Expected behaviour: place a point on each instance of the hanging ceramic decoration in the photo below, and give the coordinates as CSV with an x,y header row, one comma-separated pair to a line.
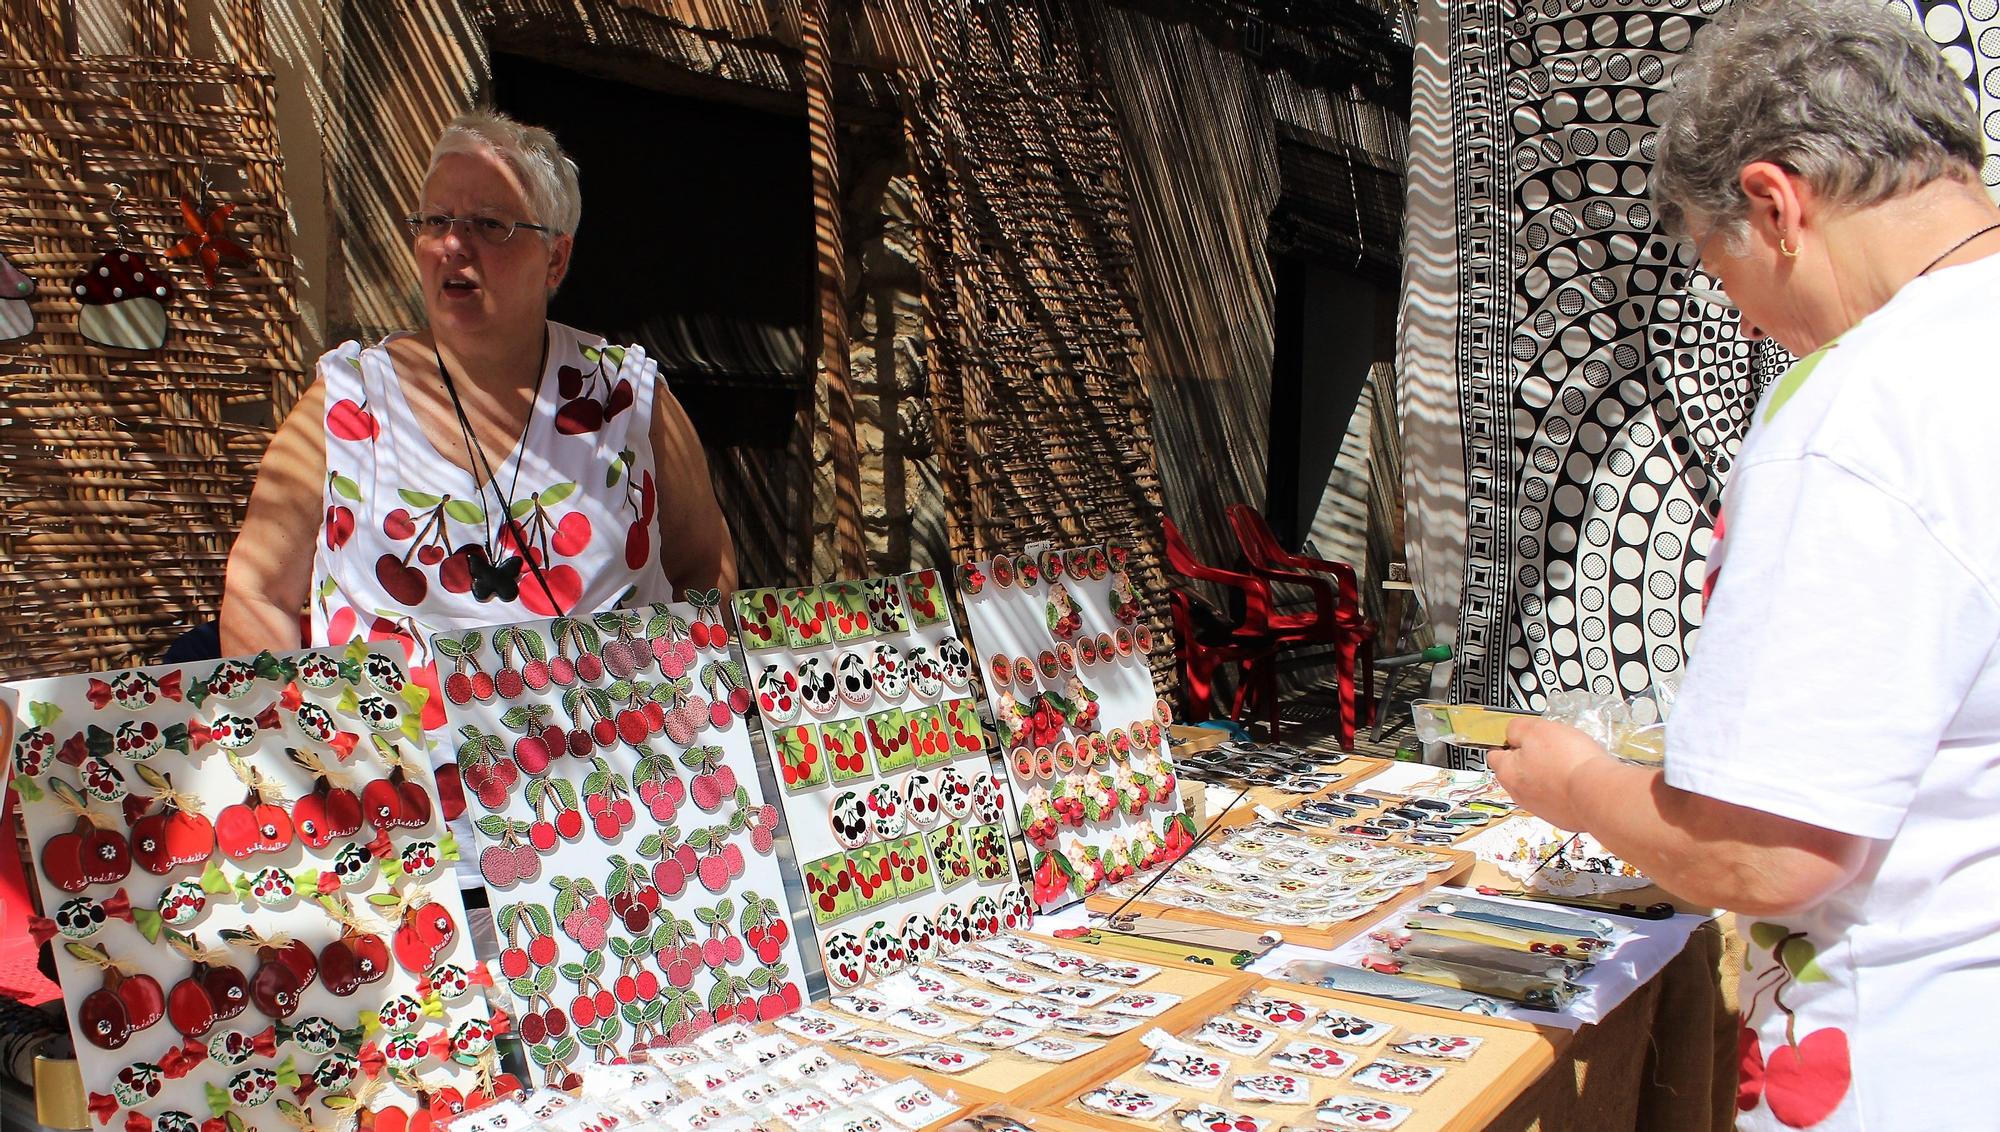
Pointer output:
x,y
249,893
623,834
207,241
17,317
1081,728
879,770
124,300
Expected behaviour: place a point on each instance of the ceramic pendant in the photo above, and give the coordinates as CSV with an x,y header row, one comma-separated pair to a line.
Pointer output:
x,y
1397,1076
1360,1112
1311,1057
1188,1067
1446,1047
1233,1035
1128,1102
1349,1030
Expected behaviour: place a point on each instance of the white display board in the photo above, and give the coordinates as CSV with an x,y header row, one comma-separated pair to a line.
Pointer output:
x,y
249,884
897,816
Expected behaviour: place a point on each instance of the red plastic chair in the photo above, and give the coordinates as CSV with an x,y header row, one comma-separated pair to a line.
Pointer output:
x,y
1336,619
1206,647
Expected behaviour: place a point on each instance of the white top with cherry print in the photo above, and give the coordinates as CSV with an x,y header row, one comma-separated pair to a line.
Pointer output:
x,y
397,510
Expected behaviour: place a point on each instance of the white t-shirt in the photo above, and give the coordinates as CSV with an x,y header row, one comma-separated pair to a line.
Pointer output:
x,y
1846,676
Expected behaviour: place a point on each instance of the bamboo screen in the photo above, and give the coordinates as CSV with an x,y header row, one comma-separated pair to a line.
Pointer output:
x,y
123,473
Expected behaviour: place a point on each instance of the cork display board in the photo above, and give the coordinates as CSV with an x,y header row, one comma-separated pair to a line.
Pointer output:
x,y
1181,991
1485,1064
1256,879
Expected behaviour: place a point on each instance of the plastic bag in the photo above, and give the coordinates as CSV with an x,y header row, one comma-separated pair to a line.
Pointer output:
x,y
1633,728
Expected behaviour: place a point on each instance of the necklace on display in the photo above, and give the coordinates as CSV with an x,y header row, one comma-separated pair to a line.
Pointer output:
x,y
494,578
1946,254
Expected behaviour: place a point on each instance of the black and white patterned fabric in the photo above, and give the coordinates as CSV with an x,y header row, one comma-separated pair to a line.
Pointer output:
x,y
1571,402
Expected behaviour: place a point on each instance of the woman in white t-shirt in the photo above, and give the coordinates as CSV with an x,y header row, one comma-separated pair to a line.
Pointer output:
x,y
1833,763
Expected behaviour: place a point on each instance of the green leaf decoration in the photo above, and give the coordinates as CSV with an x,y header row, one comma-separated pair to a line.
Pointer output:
x,y
520,508
418,499
1801,958
545,980
346,488
465,511
1768,935
616,354
555,493
523,987
614,473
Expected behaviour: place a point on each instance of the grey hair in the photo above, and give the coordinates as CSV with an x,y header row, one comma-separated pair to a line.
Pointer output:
x,y
1848,96
547,173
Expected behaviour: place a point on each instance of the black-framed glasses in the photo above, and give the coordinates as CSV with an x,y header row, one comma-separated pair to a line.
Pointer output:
x,y
434,225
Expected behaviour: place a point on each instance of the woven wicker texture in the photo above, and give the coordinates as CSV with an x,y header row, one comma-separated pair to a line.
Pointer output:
x,y
123,474
1037,358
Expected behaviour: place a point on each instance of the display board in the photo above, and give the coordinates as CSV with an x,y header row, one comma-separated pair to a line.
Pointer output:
x,y
1063,647
1284,1056
623,831
247,879
1318,892
898,819
1017,1015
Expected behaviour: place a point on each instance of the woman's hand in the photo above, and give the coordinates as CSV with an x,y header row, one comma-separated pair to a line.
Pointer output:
x,y
1540,766
271,565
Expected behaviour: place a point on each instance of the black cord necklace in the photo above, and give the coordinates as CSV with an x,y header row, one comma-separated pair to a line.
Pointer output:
x,y
1946,254
494,578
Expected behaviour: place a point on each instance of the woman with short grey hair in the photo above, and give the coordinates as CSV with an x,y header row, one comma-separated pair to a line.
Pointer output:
x,y
491,468
1833,762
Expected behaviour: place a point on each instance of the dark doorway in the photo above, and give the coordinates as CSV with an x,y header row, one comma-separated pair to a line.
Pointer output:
x,y
696,243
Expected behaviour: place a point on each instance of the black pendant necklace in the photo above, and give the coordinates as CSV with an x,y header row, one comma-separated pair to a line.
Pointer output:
x,y
493,578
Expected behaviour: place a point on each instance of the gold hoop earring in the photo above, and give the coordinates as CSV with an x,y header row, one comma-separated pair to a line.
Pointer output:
x,y
1786,249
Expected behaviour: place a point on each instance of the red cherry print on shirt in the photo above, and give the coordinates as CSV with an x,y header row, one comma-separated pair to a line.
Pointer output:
x,y
564,583
350,421
572,535
339,527
404,583
579,416
1804,1083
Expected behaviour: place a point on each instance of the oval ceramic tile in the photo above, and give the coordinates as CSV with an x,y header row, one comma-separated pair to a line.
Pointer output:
x,y
849,819
856,680
954,663
954,792
888,665
817,687
886,820
778,694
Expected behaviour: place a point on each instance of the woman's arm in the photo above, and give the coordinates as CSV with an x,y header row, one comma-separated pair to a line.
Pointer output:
x,y
1701,849
270,568
696,552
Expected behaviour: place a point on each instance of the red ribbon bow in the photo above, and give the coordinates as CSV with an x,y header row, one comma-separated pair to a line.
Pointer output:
x,y
329,882
481,976
267,720
199,735
380,849
138,1122
103,1106
179,1062
74,751
42,929
343,744
99,693
170,685
372,1061
290,698
266,1043
118,906
501,1023
215,1124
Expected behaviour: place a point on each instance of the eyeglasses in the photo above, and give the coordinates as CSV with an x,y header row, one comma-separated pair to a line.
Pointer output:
x,y
434,225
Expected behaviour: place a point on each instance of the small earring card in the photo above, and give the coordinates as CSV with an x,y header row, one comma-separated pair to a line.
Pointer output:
x,y
1083,734
899,821
248,886
623,833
